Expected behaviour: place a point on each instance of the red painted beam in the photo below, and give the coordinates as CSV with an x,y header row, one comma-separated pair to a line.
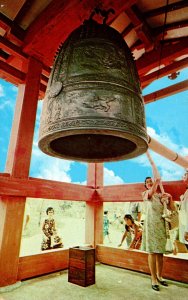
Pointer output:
x,y
12,48
141,27
166,92
11,74
132,192
176,66
167,8
47,189
58,20
170,52
10,25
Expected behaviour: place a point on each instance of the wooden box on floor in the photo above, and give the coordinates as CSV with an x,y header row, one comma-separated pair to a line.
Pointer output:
x,y
81,266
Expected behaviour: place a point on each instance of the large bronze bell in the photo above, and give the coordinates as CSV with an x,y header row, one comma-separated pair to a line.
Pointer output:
x,y
93,109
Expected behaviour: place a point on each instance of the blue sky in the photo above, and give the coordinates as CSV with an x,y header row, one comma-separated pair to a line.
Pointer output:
x,y
166,121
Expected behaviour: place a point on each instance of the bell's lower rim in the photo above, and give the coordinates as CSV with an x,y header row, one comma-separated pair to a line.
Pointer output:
x,y
51,145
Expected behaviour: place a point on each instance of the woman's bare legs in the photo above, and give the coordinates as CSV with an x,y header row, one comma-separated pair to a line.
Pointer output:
x,y
159,265
152,258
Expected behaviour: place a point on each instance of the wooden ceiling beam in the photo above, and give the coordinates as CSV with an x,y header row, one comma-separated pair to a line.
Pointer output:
x,y
137,45
141,27
12,28
169,53
25,7
166,92
176,25
3,55
127,30
16,51
16,77
167,8
12,49
58,20
11,74
176,66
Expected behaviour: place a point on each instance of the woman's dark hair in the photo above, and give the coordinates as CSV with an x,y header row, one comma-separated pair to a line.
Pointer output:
x,y
49,209
129,217
145,181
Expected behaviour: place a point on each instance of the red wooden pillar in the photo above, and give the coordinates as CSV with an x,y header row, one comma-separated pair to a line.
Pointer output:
x,y
18,163
94,208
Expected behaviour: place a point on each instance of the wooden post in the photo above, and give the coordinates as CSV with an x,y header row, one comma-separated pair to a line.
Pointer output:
x,y
18,163
94,208
19,155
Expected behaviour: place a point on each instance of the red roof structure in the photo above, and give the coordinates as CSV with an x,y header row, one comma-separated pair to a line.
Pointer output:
x,y
30,34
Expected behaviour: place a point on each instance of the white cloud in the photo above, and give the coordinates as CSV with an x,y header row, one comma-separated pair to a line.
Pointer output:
x,y
2,94
165,140
14,88
110,178
48,167
5,103
55,170
169,170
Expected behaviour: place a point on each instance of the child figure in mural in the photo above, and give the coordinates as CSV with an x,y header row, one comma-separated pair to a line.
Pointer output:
x,y
51,240
106,224
135,230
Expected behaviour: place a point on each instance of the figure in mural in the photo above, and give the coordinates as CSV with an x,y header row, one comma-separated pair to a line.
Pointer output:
x,y
154,237
106,224
27,219
51,239
134,230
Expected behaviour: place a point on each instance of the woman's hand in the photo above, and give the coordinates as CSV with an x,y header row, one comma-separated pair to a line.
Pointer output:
x,y
166,195
168,198
157,180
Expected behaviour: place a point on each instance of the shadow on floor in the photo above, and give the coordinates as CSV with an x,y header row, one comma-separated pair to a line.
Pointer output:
x,y
111,283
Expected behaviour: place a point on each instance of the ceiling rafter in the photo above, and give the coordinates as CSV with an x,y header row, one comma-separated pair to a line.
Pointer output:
x,y
137,45
12,28
12,48
176,25
58,15
141,27
3,55
163,9
16,51
14,75
170,53
173,40
25,7
176,66
166,92
127,30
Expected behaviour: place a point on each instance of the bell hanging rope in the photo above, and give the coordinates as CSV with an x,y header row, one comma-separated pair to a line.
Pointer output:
x,y
93,110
